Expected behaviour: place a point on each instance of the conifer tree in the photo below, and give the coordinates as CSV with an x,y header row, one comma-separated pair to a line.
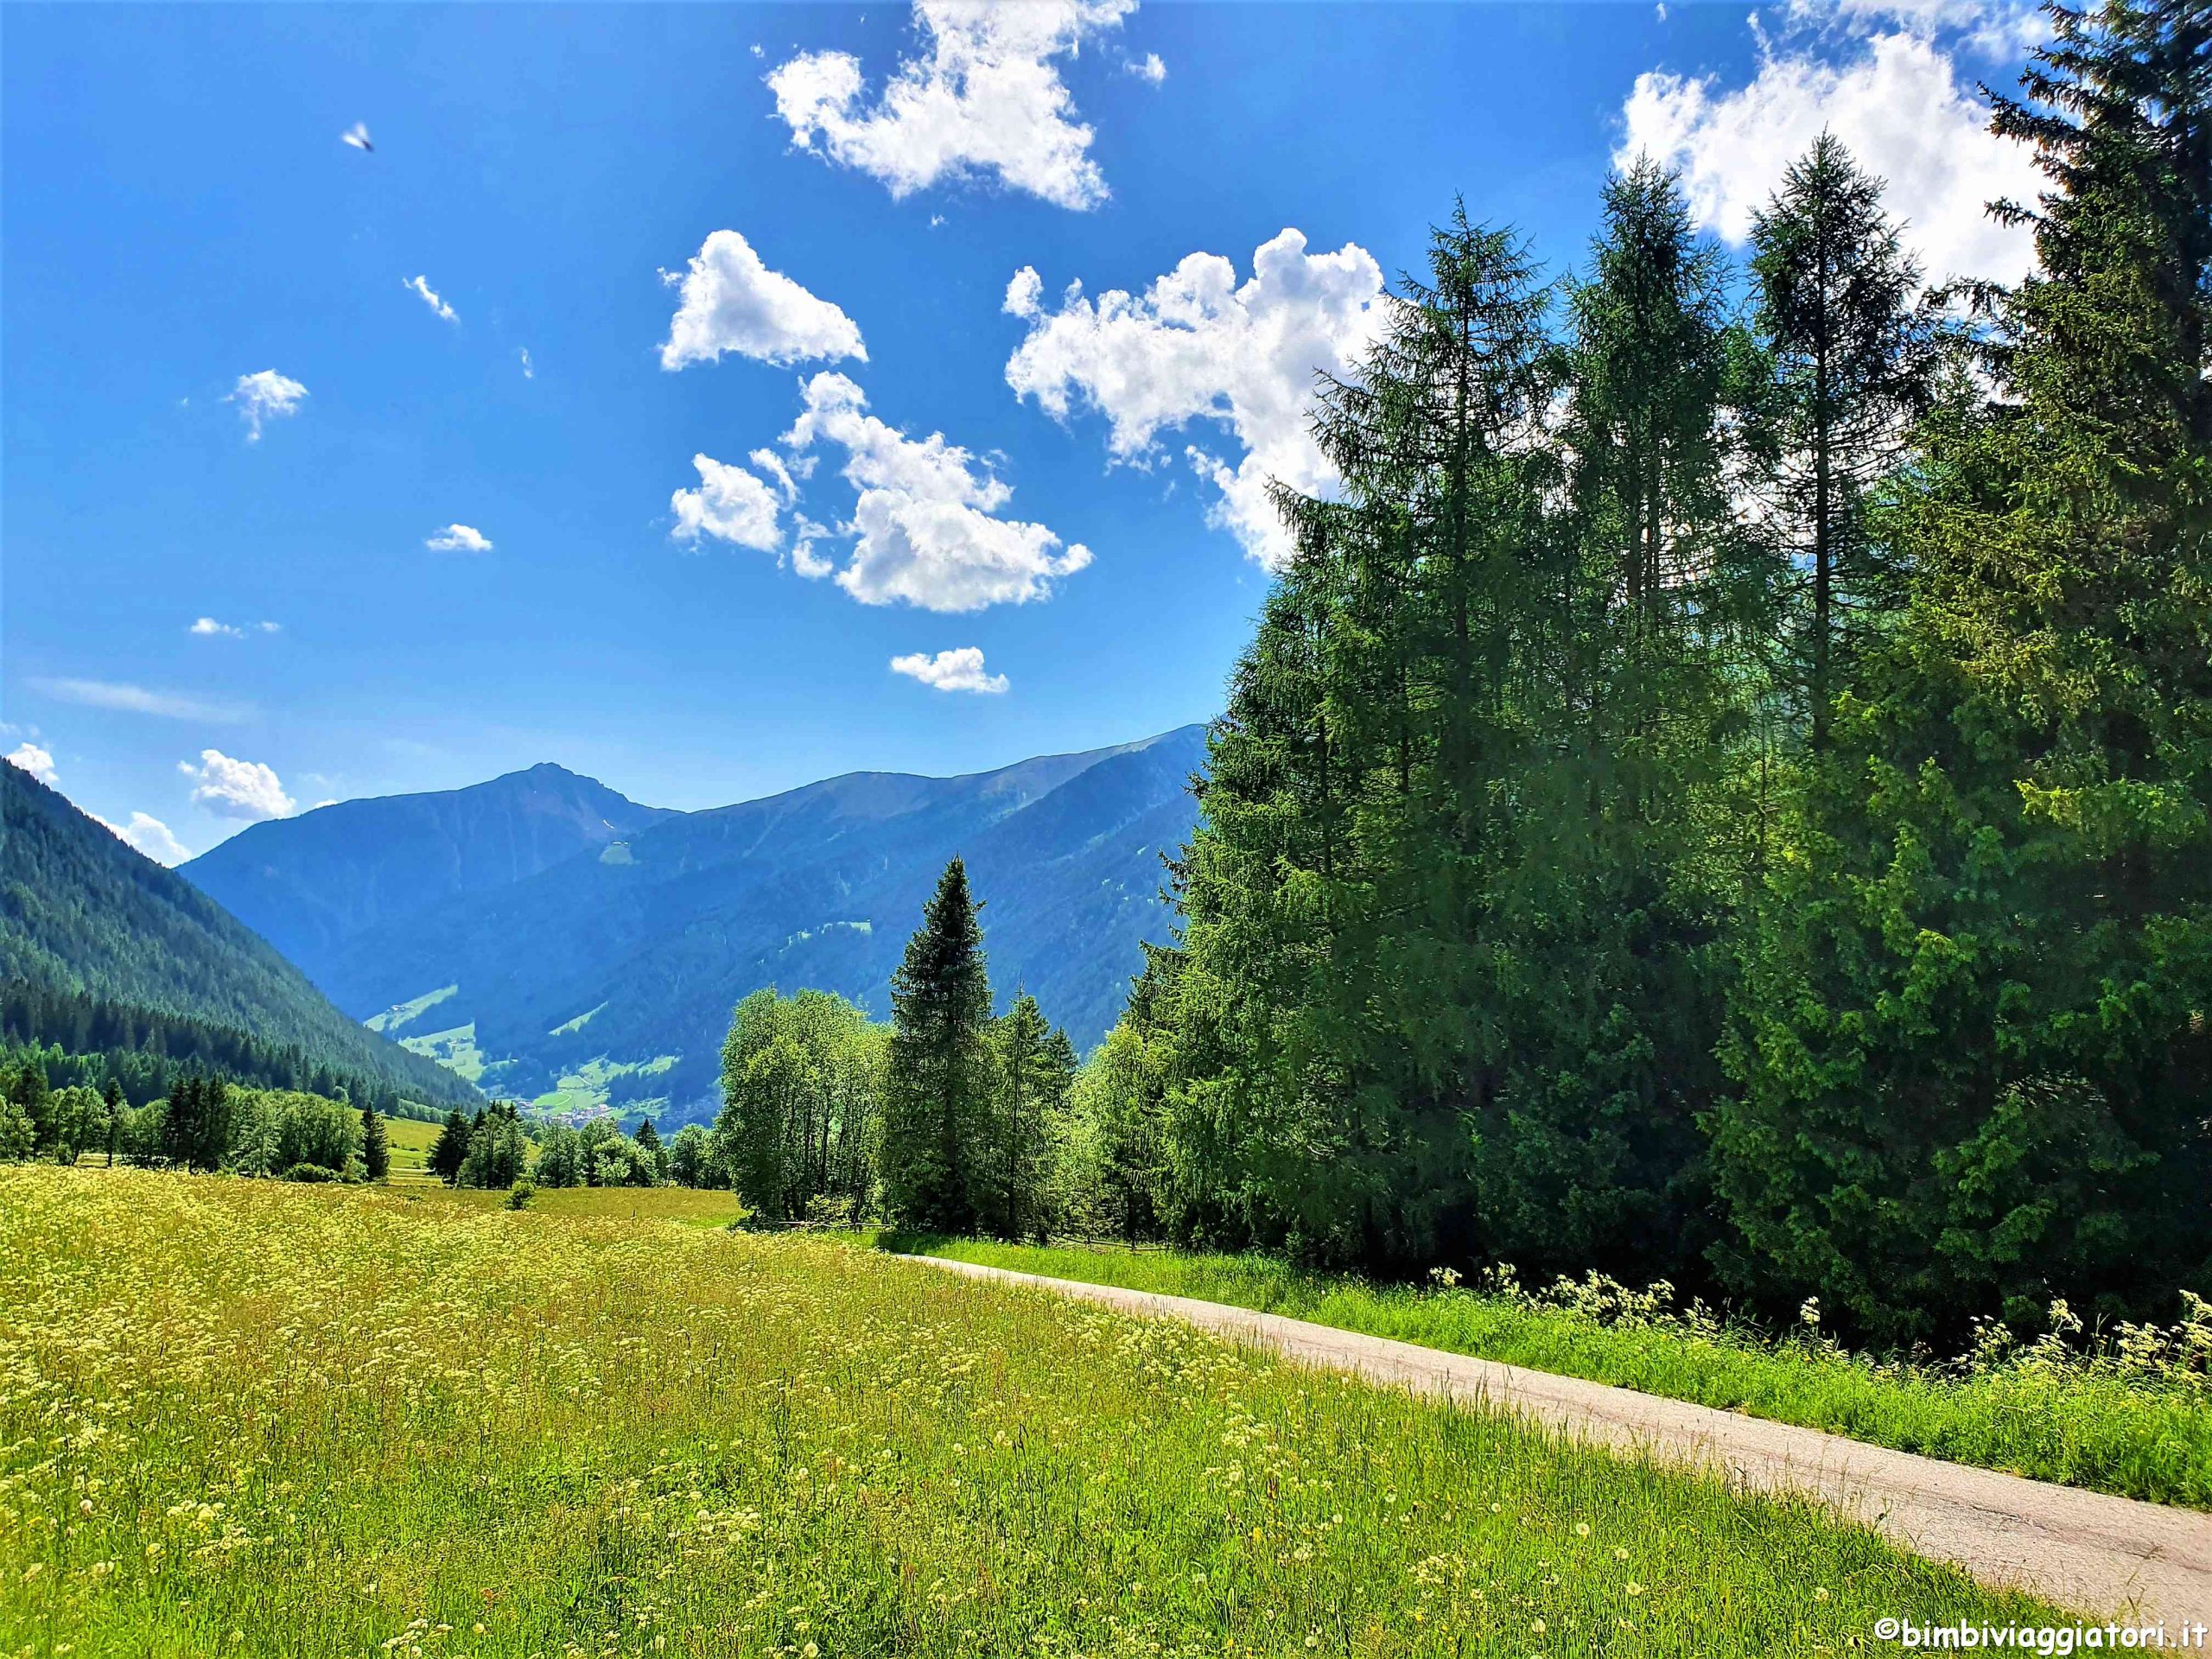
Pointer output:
x,y
649,1148
112,1131
376,1146
34,1098
1030,1088
936,1093
1604,890
450,1149
1851,358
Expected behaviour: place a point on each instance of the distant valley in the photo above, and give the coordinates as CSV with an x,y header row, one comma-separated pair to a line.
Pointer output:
x,y
545,937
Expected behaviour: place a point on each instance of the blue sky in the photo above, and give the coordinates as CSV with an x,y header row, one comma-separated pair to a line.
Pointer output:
x,y
283,524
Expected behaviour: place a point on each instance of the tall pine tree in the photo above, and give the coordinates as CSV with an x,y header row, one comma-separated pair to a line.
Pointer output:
x,y
376,1146
937,1093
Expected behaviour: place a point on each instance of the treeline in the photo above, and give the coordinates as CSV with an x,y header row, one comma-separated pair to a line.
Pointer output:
x,y
949,1118
204,1123
496,1148
1724,793
85,1039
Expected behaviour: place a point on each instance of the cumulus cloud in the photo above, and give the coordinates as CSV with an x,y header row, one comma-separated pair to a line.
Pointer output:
x,y
236,789
262,397
136,699
1198,346
1885,78
37,761
148,834
420,287
731,301
924,525
458,538
1148,67
959,670
985,100
730,505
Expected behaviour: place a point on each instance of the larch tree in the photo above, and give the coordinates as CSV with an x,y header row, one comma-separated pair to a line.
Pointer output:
x,y
1851,356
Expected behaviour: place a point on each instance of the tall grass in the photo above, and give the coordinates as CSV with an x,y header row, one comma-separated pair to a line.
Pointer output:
x,y
2131,1415
247,1417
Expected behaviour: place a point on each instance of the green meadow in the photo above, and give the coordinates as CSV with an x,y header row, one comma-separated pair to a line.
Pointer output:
x,y
247,1417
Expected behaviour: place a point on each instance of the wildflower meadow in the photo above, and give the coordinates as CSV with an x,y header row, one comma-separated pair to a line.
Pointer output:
x,y
247,1417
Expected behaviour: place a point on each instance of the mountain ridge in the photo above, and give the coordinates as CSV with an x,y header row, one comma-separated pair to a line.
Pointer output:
x,y
606,978
354,864
83,914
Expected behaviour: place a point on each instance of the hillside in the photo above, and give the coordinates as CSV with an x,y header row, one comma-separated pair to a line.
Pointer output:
x,y
80,912
608,978
307,883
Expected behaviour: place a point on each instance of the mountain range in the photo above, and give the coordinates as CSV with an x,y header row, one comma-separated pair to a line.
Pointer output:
x,y
87,919
547,937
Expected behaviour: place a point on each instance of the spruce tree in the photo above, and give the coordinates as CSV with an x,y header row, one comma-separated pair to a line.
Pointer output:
x,y
1027,1090
937,1094
450,1150
649,1148
376,1146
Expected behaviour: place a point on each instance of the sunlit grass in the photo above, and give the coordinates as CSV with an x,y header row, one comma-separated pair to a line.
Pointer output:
x,y
251,1418
2139,1436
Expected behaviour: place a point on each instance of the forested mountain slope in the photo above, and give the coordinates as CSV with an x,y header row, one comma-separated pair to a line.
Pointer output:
x,y
609,977
81,912
308,883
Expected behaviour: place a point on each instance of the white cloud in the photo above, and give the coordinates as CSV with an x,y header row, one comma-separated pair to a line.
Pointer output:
x,y
458,538
804,559
1197,346
208,627
924,525
1884,78
265,396
148,834
731,504
960,670
1148,67
236,789
986,99
733,303
528,372
137,700
421,286
37,761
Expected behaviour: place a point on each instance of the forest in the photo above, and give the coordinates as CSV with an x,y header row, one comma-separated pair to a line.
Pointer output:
x,y
1722,793
76,1039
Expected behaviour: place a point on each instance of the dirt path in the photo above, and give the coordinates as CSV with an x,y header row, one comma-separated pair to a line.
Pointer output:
x,y
2112,1556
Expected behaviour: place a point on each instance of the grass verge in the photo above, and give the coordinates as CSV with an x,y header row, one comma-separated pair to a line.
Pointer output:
x,y
250,1418
2085,1426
